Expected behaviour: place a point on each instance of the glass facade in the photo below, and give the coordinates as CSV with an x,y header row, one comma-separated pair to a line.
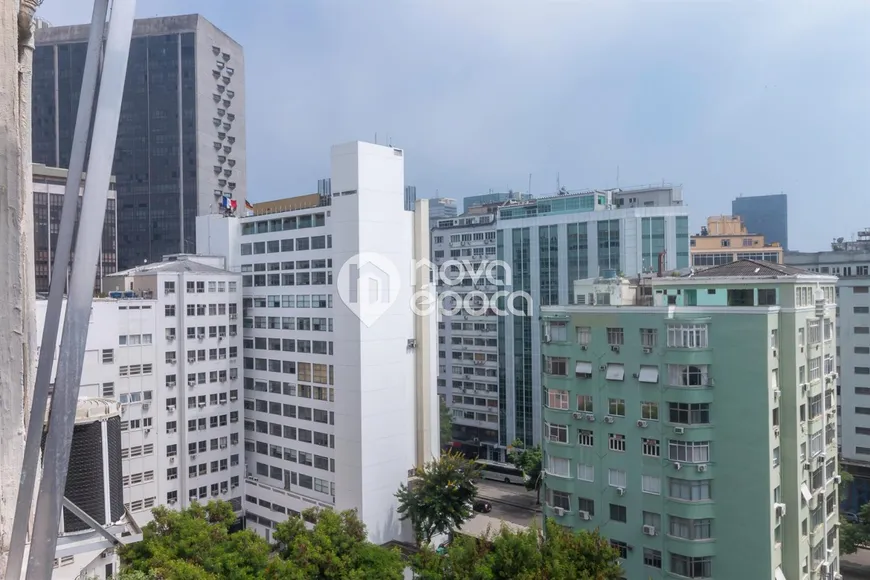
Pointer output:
x,y
652,242
682,242
522,327
548,263
608,245
578,256
155,154
502,343
766,215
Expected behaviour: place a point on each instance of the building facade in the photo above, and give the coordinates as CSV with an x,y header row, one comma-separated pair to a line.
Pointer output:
x,y
725,239
545,245
442,207
339,405
696,460
49,184
850,262
490,198
766,215
410,197
181,136
468,380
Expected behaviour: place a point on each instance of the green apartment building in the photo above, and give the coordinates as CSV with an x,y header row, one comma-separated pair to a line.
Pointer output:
x,y
692,420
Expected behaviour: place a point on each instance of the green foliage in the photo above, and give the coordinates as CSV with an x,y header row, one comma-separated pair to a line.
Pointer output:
x,y
846,479
560,554
335,549
446,424
530,461
439,498
855,535
195,544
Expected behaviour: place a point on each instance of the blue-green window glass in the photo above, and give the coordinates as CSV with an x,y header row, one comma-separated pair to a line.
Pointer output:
x,y
652,242
549,264
682,242
578,256
502,357
608,245
522,348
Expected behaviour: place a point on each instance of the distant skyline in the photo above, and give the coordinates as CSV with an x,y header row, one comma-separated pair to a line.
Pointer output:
x,y
724,98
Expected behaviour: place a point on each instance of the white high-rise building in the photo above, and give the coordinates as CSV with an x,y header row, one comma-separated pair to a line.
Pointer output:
x,y
339,397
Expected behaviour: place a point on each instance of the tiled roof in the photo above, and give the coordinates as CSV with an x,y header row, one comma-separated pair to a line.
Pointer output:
x,y
749,268
172,266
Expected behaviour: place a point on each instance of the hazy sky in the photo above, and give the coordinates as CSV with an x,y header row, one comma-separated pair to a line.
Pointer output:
x,y
725,98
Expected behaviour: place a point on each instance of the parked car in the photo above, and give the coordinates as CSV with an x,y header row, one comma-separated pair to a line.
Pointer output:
x,y
851,517
482,506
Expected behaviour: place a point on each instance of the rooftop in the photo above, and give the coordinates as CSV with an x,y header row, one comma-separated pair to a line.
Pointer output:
x,y
750,269
179,264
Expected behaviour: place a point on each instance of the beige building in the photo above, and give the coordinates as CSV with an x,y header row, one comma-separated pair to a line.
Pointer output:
x,y
725,240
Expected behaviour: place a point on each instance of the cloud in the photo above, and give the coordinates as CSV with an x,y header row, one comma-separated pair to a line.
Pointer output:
x,y
724,97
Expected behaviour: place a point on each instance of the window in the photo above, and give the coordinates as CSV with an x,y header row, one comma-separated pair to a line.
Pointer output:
x,y
650,447
557,399
558,331
616,407
690,529
689,567
622,547
648,337
585,472
689,413
687,336
560,499
557,433
586,505
616,442
688,375
652,519
649,410
652,558
584,335
586,438
618,513
559,467
815,365
615,337
584,403
557,366
689,451
651,484
698,490
616,478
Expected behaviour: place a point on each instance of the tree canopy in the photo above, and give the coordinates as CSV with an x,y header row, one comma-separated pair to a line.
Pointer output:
x,y
530,461
439,498
560,554
445,424
196,544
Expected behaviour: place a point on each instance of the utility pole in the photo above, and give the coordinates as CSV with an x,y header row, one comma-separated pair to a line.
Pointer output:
x,y
17,300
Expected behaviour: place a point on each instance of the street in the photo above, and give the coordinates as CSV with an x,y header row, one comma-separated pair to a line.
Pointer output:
x,y
510,502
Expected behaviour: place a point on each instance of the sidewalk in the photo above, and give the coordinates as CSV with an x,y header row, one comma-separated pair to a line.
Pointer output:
x,y
856,566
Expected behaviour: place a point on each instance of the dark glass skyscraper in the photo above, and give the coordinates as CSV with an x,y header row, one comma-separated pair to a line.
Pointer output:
x,y
181,135
766,215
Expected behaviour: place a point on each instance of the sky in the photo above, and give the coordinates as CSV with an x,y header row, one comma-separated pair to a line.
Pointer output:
x,y
726,98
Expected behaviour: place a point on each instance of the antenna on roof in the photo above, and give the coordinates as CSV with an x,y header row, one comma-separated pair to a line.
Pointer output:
x,y
558,182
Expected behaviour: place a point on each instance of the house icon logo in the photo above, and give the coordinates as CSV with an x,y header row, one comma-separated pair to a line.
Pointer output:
x,y
368,284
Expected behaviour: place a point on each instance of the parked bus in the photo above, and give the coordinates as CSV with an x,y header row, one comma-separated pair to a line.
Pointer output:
x,y
500,471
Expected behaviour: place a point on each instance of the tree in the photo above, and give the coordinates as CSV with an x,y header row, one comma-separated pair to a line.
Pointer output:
x,y
446,425
195,544
439,498
560,554
335,549
529,460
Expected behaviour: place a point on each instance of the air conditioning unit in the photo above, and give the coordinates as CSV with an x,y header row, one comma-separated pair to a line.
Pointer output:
x,y
807,466
146,406
824,568
702,467
191,383
577,414
232,333
590,417
614,348
191,360
170,431
838,479
233,315
546,337
679,430
835,376
234,486
608,419
804,387
677,465
234,398
200,335
170,502
584,515
642,423
171,408
193,456
602,368
620,491
223,401
776,393
776,431
222,335
170,384
223,379
779,508
584,347
559,511
214,492
647,350
171,459
635,375
649,530
223,445
201,404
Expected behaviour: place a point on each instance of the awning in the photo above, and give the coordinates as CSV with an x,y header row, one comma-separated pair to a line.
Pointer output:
x,y
648,374
615,372
777,574
583,368
805,491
